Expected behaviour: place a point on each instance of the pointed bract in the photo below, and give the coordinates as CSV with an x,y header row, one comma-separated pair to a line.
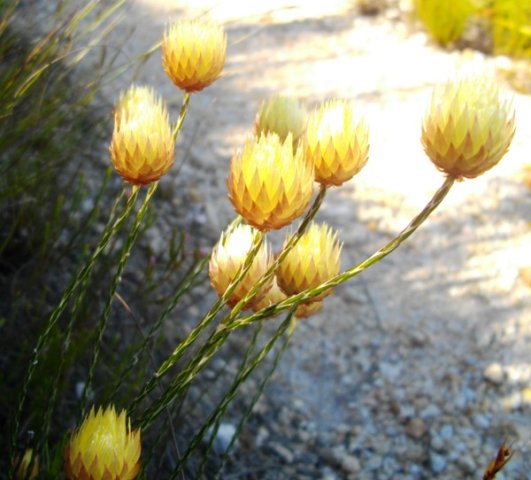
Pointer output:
x,y
269,183
229,255
22,466
305,310
103,447
312,261
281,115
337,142
272,297
142,145
193,53
468,127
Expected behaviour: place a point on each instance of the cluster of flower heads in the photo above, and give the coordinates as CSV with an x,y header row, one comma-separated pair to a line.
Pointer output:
x,y
143,141
467,129
271,180
271,183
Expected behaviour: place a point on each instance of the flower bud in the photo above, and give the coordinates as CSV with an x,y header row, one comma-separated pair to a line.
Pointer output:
x,y
193,53
142,145
228,257
269,183
468,127
103,447
281,115
22,466
312,261
337,142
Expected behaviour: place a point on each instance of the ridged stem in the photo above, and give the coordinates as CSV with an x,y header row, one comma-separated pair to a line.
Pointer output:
x,y
356,269
255,398
78,302
222,332
124,256
216,424
206,352
221,408
183,287
182,114
207,319
59,309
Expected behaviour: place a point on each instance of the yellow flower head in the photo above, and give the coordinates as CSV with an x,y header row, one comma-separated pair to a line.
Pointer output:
x,y
314,260
281,115
468,127
229,255
21,472
103,447
142,145
337,142
269,183
193,53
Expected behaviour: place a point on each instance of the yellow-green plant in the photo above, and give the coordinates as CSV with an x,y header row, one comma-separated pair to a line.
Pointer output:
x,y
445,20
511,27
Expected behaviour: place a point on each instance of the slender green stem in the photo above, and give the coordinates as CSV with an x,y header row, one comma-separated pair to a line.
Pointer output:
x,y
256,397
124,256
183,287
356,269
278,260
218,337
59,309
221,408
222,332
78,301
207,319
217,423
182,114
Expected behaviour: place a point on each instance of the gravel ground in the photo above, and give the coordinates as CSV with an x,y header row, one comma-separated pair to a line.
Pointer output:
x,y
420,367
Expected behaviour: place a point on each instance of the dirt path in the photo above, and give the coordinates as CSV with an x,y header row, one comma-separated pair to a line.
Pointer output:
x,y
422,366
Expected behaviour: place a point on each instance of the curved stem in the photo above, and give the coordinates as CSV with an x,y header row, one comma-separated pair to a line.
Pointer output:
x,y
242,375
59,309
182,114
124,256
356,269
212,345
194,334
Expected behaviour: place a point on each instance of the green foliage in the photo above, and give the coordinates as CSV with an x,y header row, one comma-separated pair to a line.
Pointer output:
x,y
445,20
511,27
48,207
507,21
